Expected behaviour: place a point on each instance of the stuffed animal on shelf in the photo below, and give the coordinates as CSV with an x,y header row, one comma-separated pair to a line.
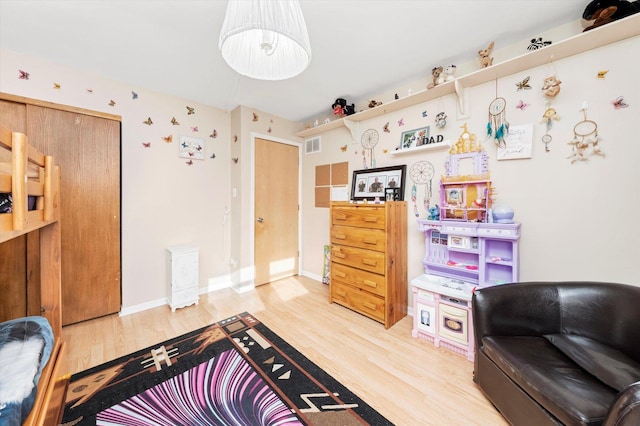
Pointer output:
x,y
434,213
604,11
340,108
436,75
450,73
373,103
486,60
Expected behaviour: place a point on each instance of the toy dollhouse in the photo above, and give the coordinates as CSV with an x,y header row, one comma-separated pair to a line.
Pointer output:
x,y
464,250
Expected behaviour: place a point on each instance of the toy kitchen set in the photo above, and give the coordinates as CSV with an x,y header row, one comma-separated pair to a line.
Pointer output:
x,y
469,243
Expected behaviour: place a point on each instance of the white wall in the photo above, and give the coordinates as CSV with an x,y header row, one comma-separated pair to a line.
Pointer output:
x,y
578,220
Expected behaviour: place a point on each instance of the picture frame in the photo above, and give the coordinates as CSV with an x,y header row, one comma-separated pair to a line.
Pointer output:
x,y
191,147
368,184
414,138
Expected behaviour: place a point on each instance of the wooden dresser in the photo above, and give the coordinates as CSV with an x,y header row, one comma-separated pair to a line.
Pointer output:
x,y
369,259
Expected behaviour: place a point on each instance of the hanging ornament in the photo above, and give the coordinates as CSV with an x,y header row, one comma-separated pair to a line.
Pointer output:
x,y
549,115
368,141
497,126
585,136
441,120
421,173
551,83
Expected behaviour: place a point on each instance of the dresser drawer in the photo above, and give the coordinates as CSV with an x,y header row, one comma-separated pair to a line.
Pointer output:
x,y
358,300
369,260
371,239
360,216
364,280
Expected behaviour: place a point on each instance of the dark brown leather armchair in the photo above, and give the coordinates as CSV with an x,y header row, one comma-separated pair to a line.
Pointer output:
x,y
559,352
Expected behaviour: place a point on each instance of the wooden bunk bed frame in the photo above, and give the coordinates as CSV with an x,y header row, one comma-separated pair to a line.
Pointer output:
x,y
29,173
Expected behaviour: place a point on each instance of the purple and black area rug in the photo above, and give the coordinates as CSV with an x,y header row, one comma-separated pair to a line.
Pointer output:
x,y
234,372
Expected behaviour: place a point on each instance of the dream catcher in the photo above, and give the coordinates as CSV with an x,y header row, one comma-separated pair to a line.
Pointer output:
x,y
497,126
368,141
585,137
550,114
421,173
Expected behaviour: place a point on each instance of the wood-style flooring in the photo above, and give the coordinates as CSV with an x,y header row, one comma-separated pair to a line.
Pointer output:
x,y
407,380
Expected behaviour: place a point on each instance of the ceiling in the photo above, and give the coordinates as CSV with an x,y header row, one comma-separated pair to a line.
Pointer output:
x,y
359,47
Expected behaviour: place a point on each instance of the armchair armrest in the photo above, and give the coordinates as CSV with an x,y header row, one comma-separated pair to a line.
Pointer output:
x,y
625,410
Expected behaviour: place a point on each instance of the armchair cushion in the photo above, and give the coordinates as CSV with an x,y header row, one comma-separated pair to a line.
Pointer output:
x,y
607,364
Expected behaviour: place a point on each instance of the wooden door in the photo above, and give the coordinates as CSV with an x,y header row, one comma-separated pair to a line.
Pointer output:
x,y
87,149
276,211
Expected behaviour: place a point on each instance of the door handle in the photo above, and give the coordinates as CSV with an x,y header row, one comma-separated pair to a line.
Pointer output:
x,y
259,220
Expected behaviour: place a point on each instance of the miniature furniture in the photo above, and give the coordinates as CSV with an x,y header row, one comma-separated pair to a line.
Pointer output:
x,y
459,257
25,172
368,269
182,276
550,353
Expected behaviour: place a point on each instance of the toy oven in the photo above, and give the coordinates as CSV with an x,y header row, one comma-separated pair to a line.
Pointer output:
x,y
453,323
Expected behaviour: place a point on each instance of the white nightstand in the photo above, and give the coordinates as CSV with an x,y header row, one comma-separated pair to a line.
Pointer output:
x,y
182,276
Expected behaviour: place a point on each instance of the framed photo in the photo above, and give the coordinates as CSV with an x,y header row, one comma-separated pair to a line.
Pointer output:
x,y
415,137
191,147
371,183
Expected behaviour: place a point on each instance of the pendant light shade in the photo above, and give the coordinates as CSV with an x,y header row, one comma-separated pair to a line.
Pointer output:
x,y
265,39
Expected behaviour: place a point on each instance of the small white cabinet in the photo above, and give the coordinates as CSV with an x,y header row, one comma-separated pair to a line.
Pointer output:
x,y
182,276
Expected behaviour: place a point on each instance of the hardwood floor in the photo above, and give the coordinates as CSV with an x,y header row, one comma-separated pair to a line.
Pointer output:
x,y
407,380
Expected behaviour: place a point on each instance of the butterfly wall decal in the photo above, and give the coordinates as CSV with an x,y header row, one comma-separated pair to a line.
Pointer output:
x,y
174,122
401,122
522,105
23,75
255,117
112,103
385,128
213,155
146,144
235,160
134,95
524,84
190,110
424,113
148,121
90,91
602,74
343,148
168,139
619,103
190,163
214,134
269,129
56,85
235,138
194,128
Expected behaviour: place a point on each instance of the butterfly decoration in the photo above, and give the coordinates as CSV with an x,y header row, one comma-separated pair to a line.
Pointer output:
x,y
56,85
23,75
235,160
184,145
384,151
255,117
424,113
396,97
112,103
214,134
134,95
385,128
148,121
537,43
190,163
619,103
522,105
213,155
194,128
269,129
524,84
174,122
168,139
90,91
146,144
235,138
190,110
401,122
602,74
343,148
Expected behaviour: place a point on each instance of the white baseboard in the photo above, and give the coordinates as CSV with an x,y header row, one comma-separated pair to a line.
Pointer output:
x,y
143,306
312,276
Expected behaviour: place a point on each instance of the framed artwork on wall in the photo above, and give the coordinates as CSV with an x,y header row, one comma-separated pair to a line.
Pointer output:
x,y
191,147
372,183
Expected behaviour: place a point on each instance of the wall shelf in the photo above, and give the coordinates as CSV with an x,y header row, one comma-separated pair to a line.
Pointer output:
x,y
593,39
443,144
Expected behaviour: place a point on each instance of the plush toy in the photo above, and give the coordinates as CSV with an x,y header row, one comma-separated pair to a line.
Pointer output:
x,y
436,75
551,86
434,213
340,108
373,103
486,60
449,73
601,10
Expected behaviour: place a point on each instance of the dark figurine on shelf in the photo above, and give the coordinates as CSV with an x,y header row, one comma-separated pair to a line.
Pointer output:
x,y
604,11
340,108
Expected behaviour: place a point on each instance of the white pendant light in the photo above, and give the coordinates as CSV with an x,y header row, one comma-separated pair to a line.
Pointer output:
x,y
265,39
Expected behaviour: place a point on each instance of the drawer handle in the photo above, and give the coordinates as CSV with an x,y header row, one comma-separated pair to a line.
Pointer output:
x,y
340,274
339,254
373,219
370,305
370,262
370,241
340,216
370,283
339,236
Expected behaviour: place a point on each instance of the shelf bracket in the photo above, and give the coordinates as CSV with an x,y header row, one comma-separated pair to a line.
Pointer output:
x,y
354,128
462,94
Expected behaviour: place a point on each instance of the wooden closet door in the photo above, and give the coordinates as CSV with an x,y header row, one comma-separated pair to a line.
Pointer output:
x,y
87,149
